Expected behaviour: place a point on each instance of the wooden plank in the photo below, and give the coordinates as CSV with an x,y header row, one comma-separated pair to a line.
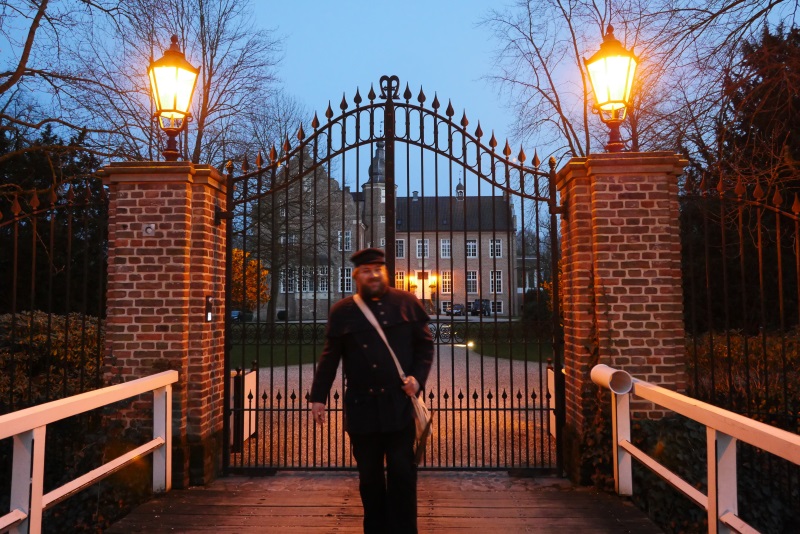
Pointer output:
x,y
324,502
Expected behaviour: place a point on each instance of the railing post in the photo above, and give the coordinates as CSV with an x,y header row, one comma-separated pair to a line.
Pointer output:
x,y
621,430
27,479
722,492
162,428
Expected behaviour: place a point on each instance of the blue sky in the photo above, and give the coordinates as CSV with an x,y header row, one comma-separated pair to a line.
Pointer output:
x,y
333,47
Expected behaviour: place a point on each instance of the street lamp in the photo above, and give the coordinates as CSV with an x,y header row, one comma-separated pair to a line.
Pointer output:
x,y
611,70
172,81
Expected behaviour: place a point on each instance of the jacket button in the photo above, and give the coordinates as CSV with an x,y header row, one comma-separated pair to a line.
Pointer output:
x,y
374,365
384,322
364,346
371,390
382,390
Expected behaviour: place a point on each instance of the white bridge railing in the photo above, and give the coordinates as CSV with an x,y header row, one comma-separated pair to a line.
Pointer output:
x,y
723,429
27,428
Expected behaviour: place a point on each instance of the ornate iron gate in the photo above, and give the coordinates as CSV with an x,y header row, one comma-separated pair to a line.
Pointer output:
x,y
465,227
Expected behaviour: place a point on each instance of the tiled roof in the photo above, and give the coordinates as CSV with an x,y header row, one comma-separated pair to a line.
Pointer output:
x,y
444,214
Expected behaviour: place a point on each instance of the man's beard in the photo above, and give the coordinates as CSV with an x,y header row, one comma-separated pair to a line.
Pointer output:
x,y
368,293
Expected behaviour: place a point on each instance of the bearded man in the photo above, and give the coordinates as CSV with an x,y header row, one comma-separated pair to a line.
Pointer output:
x,y
378,410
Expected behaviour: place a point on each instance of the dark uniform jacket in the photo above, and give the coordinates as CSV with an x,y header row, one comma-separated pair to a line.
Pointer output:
x,y
374,400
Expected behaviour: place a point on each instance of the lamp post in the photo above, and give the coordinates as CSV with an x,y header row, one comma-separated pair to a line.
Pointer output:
x,y
172,81
611,71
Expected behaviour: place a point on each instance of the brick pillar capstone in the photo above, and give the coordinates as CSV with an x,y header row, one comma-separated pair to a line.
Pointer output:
x,y
621,283
165,258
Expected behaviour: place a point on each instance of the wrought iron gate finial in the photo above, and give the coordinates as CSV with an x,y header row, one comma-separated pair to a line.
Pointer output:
x,y
390,85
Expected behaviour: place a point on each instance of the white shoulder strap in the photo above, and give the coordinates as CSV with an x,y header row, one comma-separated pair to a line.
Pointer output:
x,y
371,318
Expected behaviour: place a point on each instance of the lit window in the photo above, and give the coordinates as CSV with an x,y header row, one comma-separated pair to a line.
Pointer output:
x,y
447,282
400,279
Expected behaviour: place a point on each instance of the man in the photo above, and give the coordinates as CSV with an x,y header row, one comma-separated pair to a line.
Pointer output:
x,y
378,411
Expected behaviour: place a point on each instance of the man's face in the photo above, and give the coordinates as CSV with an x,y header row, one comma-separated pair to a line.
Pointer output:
x,y
371,280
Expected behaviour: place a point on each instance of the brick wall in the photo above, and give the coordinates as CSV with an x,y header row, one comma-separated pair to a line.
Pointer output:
x,y
165,257
621,268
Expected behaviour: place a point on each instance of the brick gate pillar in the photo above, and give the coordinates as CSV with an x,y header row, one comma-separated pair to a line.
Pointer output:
x,y
621,284
166,257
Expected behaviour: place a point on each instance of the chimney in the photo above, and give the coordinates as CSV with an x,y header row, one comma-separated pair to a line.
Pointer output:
x,y
416,198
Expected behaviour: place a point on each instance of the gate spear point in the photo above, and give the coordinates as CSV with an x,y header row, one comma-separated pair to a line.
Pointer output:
x,y
315,122
507,149
371,94
464,121
478,131
435,103
259,160
796,205
536,161
343,104
521,157
329,111
450,111
421,96
493,141
777,199
357,99
407,93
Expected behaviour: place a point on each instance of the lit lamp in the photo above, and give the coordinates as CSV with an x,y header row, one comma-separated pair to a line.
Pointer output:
x,y
611,71
172,81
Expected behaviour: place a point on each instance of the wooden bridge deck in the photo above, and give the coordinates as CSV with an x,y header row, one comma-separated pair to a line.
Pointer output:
x,y
314,502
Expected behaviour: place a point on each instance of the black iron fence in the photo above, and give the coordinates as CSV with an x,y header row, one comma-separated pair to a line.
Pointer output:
x,y
741,280
53,250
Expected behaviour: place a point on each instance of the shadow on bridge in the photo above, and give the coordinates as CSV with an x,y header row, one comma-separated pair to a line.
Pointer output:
x,y
329,502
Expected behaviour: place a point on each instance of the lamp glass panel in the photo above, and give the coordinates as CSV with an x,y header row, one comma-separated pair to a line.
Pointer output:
x,y
172,88
612,80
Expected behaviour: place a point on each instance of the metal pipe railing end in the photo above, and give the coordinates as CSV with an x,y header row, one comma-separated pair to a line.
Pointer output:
x,y
618,381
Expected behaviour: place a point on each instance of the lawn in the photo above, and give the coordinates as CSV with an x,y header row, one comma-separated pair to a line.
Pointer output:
x,y
535,351
274,355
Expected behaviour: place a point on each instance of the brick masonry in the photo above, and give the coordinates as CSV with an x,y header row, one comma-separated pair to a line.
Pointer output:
x,y
621,276
165,257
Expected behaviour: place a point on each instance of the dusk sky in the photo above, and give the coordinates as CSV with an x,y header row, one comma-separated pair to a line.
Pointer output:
x,y
334,47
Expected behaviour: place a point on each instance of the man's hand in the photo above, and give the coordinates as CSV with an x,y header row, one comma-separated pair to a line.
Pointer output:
x,y
318,412
410,386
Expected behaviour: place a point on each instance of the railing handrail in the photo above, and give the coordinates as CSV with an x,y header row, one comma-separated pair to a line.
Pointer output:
x,y
723,430
28,428
24,420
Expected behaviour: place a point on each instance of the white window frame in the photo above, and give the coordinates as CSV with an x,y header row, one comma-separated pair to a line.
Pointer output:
x,y
400,248
322,279
307,280
345,279
445,248
348,240
400,280
290,280
471,244
383,218
496,282
423,245
496,248
497,307
382,242
472,282
447,282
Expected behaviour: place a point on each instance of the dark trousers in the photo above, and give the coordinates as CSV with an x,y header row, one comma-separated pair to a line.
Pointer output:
x,y
390,499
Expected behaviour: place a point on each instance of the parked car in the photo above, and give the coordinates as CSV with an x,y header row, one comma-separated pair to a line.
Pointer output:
x,y
238,316
456,309
481,307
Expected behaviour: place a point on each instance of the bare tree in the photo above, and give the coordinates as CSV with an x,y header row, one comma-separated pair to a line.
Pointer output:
x,y
85,64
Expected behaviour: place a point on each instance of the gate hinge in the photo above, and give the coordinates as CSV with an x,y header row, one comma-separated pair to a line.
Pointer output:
x,y
219,215
558,210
